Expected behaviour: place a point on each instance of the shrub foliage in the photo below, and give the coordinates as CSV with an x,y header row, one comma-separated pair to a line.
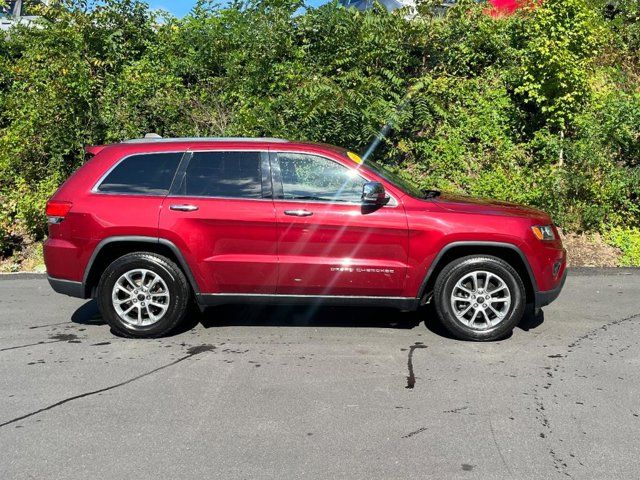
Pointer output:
x,y
542,107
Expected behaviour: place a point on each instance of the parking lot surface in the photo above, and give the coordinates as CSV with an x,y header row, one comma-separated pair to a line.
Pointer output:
x,y
294,392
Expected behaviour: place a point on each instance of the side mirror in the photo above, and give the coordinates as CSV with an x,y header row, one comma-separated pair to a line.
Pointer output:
x,y
373,193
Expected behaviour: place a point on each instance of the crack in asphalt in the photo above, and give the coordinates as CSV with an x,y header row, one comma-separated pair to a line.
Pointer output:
x,y
411,378
48,325
595,331
29,345
416,432
191,352
495,442
58,337
558,462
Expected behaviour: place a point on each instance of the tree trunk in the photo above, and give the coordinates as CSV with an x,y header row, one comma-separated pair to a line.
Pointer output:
x,y
561,153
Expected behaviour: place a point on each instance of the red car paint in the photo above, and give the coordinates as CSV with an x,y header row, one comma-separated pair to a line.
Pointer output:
x,y
501,8
506,6
249,246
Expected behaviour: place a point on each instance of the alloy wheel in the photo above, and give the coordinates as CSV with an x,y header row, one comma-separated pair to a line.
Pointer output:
x,y
480,300
140,297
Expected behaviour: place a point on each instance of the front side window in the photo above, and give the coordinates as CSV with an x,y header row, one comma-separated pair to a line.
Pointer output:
x,y
223,174
148,174
314,178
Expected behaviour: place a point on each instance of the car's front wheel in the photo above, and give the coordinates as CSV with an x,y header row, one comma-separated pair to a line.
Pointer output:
x,y
479,298
143,295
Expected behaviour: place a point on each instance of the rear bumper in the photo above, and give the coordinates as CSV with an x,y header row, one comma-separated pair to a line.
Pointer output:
x,y
67,287
545,298
64,259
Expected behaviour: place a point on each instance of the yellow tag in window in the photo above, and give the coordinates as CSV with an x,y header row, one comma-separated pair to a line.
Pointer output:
x,y
355,157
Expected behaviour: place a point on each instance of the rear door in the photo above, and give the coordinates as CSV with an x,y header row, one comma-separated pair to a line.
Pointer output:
x,y
220,214
328,243
128,198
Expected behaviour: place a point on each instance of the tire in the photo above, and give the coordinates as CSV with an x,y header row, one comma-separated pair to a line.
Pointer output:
x,y
468,310
150,303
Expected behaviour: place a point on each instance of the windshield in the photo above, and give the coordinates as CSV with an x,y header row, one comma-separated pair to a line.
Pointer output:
x,y
399,182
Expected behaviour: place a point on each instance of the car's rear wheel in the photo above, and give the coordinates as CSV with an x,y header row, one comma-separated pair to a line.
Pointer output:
x,y
143,294
479,298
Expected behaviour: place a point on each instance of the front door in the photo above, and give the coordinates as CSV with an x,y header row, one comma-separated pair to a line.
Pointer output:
x,y
220,214
328,243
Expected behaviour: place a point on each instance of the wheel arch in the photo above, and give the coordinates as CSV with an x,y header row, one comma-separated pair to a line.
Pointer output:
x,y
112,248
508,252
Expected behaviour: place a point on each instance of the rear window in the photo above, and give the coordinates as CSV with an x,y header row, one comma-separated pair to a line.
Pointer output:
x,y
148,174
223,174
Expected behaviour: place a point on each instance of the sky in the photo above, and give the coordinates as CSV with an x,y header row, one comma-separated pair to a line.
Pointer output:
x,y
180,8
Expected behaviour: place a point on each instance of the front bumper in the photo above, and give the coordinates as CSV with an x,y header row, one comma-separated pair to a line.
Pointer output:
x,y
545,298
67,287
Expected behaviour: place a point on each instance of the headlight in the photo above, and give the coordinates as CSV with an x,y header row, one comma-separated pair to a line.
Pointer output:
x,y
544,232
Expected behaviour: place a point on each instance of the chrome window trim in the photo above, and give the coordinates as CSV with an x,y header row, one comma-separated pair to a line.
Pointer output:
x,y
211,150
393,202
353,204
146,195
227,149
221,198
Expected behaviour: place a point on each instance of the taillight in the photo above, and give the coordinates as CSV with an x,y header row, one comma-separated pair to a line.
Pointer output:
x,y
56,211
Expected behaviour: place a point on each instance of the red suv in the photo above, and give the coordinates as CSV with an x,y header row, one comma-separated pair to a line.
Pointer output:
x,y
148,226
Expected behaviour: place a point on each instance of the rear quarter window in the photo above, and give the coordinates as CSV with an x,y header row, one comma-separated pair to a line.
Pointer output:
x,y
144,174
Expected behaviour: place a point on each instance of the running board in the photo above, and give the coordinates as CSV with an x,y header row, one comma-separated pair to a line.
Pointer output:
x,y
401,303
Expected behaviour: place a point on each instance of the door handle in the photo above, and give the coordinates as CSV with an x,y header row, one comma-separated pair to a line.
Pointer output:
x,y
184,208
298,213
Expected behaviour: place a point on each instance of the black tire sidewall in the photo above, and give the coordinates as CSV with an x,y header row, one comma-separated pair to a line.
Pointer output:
x,y
454,272
172,276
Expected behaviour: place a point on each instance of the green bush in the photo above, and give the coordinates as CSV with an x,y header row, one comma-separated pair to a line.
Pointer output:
x,y
541,107
628,241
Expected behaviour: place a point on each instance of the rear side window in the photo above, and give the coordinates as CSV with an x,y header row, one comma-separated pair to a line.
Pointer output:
x,y
223,174
148,174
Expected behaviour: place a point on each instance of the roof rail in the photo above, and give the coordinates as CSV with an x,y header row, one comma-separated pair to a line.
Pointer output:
x,y
155,138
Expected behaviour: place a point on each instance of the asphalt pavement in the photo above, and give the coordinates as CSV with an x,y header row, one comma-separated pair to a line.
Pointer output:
x,y
345,393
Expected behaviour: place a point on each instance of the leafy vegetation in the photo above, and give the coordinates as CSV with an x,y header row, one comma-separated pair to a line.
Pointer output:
x,y
542,107
628,241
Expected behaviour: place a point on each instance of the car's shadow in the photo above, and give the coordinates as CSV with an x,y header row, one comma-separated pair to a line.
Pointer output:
x,y
306,316
88,314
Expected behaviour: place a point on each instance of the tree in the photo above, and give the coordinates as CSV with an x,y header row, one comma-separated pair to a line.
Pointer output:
x,y
561,41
